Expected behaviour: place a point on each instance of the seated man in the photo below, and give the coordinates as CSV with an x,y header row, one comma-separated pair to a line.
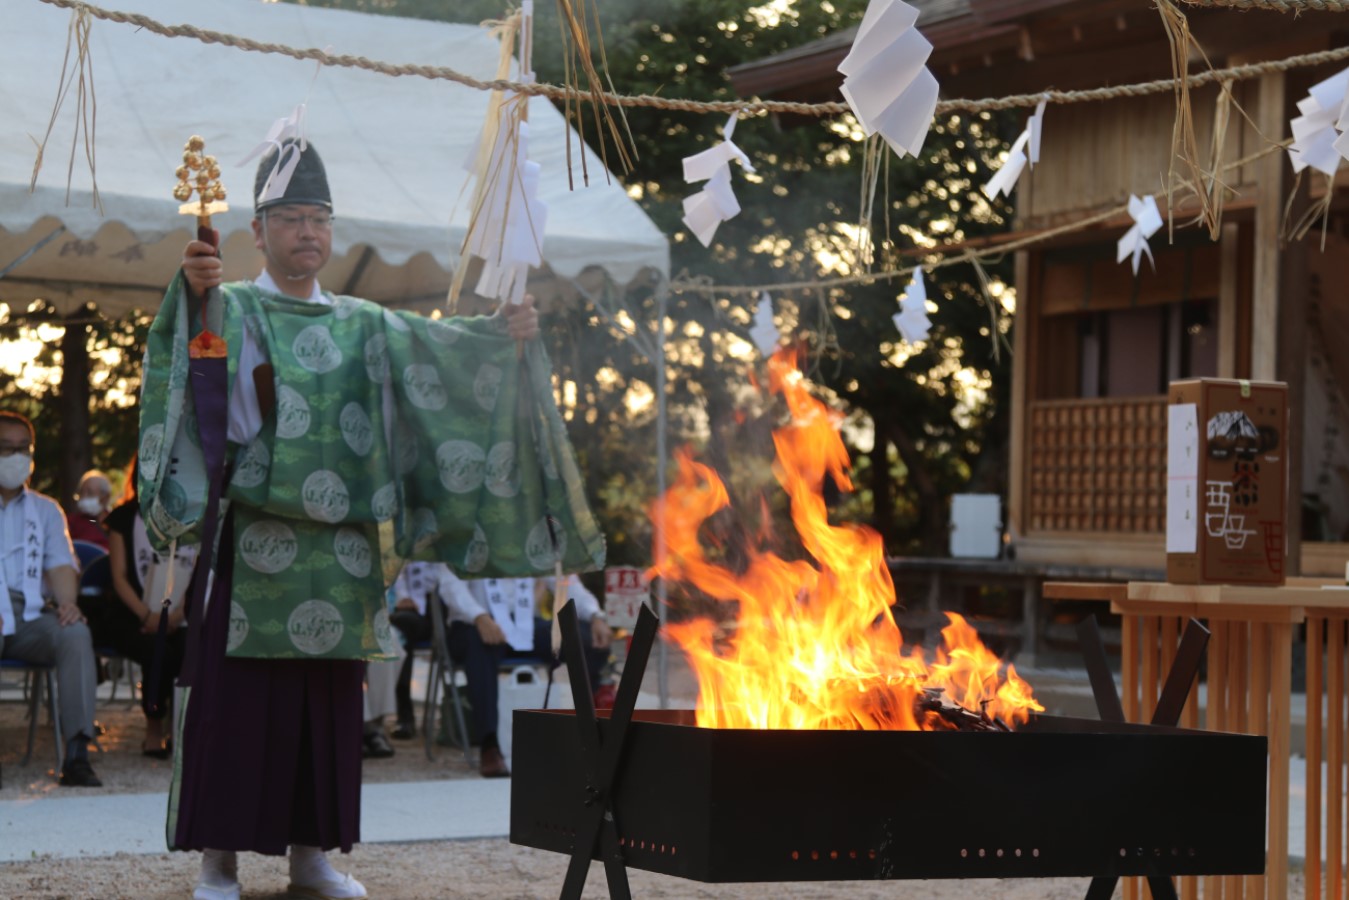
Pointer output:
x,y
478,642
39,619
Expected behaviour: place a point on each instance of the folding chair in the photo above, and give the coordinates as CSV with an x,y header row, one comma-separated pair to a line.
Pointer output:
x,y
37,675
444,673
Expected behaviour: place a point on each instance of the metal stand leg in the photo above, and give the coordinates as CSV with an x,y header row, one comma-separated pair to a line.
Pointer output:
x,y
595,823
1169,706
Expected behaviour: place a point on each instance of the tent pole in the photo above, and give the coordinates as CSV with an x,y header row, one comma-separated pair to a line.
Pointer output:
x,y
60,229
656,354
366,255
663,648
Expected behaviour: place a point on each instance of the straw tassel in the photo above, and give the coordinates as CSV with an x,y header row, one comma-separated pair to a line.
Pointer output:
x,y
1184,143
80,76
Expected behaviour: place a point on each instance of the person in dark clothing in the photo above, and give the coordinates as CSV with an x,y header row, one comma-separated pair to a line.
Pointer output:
x,y
131,621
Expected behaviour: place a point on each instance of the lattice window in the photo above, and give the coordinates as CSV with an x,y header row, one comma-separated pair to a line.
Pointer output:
x,y
1098,465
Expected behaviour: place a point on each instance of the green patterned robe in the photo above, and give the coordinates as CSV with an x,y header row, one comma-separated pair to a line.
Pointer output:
x,y
392,434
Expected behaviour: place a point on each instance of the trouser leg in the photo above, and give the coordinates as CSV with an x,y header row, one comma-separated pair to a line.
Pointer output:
x,y
402,691
46,641
415,628
380,678
480,667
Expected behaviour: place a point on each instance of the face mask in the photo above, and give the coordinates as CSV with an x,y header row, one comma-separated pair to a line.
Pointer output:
x,y
90,506
14,470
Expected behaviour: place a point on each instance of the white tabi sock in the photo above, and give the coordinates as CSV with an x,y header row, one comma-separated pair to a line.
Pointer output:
x,y
311,875
219,878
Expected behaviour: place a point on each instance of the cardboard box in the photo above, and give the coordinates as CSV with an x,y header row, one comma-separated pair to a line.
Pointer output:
x,y
1227,482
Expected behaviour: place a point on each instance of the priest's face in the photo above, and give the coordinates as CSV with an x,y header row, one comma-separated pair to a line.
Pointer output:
x,y
296,239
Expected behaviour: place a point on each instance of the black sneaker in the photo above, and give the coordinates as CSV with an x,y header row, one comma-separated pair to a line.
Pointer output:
x,y
404,731
376,746
78,773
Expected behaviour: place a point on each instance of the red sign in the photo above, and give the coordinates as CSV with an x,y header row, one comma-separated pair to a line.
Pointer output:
x,y
625,589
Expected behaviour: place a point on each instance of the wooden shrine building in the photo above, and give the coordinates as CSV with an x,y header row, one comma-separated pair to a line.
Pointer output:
x,y
1094,346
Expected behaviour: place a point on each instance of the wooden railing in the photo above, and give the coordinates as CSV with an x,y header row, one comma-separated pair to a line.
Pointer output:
x,y
1097,465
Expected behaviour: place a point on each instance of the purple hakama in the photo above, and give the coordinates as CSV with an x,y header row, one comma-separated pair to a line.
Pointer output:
x,y
270,748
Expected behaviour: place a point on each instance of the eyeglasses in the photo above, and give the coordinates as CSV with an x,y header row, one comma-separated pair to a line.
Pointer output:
x,y
320,221
11,449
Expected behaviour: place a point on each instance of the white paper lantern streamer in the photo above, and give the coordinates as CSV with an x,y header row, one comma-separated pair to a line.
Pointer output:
x,y
763,332
1316,133
912,320
716,202
887,85
1147,219
1026,149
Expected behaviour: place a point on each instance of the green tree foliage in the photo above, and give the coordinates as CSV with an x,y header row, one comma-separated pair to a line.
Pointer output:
x,y
928,423
114,348
935,417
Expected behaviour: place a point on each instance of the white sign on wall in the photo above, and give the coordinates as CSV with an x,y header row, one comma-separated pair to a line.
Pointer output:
x,y
976,525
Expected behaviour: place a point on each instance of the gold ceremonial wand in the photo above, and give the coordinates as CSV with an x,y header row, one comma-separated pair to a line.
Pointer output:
x,y
208,370
211,199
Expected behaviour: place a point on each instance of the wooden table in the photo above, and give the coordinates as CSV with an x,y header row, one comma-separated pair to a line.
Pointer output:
x,y
1250,662
1327,741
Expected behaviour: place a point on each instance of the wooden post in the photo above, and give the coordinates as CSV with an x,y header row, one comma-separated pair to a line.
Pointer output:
x,y
1215,713
1030,620
1315,629
1151,679
1229,281
1334,754
1265,318
1019,398
1236,710
1292,370
1280,691
1257,711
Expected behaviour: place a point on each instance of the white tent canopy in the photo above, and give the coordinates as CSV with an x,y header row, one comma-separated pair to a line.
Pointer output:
x,y
394,150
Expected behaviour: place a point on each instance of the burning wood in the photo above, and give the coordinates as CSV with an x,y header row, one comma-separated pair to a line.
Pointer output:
x,y
815,645
935,702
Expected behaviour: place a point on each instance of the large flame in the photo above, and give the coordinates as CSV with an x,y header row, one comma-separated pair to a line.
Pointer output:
x,y
814,645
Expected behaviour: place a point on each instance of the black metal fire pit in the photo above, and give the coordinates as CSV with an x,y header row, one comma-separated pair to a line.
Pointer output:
x,y
1057,797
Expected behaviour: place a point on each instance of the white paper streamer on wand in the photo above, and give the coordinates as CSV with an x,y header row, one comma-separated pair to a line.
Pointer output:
x,y
1147,219
1025,150
912,320
763,332
508,234
716,202
507,219
887,85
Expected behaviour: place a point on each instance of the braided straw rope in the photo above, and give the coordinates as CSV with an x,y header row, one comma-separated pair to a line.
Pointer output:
x,y
692,286
556,92
695,285
1293,6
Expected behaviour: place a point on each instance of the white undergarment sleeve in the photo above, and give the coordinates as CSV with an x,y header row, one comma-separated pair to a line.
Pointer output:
x,y
245,414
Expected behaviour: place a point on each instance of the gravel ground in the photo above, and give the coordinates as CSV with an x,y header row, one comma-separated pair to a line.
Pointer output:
x,y
490,869
472,869
124,770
